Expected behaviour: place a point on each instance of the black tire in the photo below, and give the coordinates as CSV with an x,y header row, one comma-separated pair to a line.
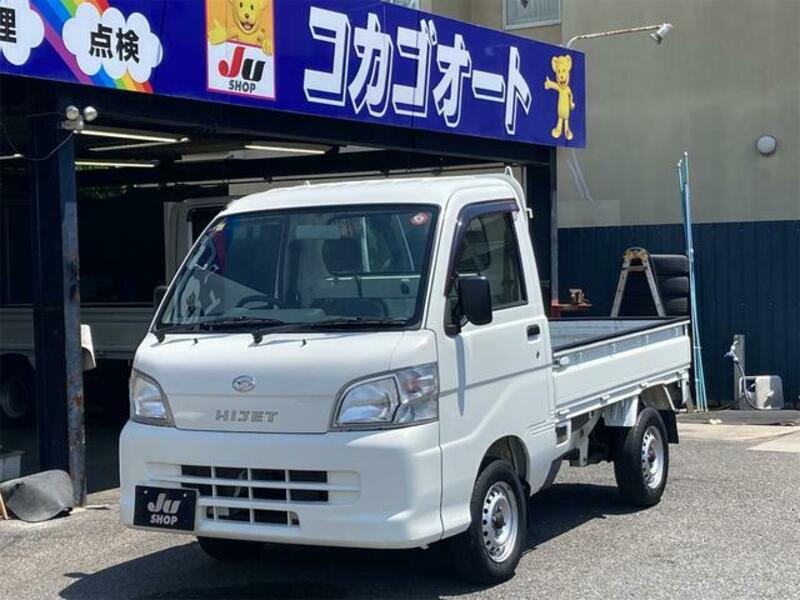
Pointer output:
x,y
670,285
470,550
674,285
677,307
640,480
230,551
670,264
644,306
17,394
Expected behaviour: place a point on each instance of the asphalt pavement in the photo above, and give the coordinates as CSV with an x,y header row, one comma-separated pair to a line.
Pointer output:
x,y
728,527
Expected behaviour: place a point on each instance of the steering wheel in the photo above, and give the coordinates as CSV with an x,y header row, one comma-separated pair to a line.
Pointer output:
x,y
267,301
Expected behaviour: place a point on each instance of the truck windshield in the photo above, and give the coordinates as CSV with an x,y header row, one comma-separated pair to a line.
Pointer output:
x,y
343,267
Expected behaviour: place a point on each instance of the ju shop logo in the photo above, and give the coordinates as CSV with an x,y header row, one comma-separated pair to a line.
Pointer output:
x,y
243,74
163,511
240,47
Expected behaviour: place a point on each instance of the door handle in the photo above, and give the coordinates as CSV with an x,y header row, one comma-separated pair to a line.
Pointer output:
x,y
533,331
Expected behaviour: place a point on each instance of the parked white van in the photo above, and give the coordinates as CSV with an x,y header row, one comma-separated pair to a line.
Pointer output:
x,y
369,364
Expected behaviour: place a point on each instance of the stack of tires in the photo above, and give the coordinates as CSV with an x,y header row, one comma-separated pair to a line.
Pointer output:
x,y
672,277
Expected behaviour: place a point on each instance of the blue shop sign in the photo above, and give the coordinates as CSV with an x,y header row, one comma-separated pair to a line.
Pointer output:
x,y
361,60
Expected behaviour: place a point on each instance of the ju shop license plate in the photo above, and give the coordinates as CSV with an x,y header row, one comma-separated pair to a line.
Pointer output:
x,y
165,508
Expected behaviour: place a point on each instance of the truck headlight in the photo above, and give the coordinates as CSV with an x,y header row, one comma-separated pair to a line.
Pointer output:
x,y
402,397
148,403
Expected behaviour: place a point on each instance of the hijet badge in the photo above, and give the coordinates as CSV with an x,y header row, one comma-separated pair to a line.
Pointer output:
x,y
241,47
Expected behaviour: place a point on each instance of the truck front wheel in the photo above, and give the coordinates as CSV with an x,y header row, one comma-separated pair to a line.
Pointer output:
x,y
641,464
489,551
230,550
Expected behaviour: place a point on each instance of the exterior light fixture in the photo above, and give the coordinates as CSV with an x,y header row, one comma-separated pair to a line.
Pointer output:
x,y
76,119
289,149
11,156
659,32
72,113
89,114
205,157
182,140
124,134
116,164
663,31
766,145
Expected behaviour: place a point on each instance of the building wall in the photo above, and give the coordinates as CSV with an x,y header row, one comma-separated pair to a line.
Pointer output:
x,y
488,13
726,75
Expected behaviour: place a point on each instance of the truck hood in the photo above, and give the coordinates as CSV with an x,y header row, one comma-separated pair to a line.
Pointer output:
x,y
297,376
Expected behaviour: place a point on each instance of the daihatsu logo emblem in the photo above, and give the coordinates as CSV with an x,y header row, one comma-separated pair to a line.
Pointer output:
x,y
244,383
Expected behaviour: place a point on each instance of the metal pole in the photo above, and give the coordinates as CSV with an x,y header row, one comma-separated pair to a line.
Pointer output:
x,y
554,297
738,402
686,204
56,297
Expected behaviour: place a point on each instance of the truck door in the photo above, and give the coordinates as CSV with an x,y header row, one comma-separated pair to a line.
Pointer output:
x,y
494,378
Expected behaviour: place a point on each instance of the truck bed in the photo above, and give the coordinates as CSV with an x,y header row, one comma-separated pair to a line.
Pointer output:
x,y
117,329
571,332
598,362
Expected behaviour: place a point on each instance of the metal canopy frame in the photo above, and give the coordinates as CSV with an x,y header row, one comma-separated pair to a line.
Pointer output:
x,y
269,168
145,111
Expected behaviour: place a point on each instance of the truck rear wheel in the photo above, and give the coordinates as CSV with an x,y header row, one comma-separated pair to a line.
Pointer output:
x,y
16,392
641,464
489,551
230,550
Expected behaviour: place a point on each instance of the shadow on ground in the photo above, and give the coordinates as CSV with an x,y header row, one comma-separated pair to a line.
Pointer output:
x,y
309,572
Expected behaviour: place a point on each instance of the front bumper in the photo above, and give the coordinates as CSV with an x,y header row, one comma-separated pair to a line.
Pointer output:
x,y
376,489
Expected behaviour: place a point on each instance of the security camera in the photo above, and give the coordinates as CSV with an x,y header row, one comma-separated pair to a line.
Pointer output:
x,y
662,32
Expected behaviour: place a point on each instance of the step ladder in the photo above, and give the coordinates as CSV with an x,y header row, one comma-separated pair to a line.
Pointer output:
x,y
637,260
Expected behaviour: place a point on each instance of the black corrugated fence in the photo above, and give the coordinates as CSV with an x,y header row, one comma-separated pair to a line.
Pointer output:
x,y
748,279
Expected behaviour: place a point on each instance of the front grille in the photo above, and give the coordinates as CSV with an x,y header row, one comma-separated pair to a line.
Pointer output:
x,y
261,496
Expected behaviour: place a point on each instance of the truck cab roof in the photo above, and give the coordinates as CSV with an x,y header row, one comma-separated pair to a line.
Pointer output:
x,y
420,190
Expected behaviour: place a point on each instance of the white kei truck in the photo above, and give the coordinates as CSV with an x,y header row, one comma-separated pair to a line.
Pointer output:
x,y
369,364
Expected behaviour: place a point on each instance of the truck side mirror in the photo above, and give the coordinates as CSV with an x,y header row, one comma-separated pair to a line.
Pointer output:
x,y
475,296
158,296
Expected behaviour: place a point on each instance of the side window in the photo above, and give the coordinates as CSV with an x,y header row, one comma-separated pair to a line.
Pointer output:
x,y
489,248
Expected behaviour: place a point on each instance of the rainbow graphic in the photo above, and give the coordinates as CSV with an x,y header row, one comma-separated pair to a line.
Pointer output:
x,y
54,14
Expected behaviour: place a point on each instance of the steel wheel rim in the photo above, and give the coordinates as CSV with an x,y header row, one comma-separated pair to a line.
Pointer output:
x,y
500,521
652,457
13,398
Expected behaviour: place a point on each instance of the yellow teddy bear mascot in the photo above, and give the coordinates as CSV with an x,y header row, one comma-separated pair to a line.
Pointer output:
x,y
250,22
561,67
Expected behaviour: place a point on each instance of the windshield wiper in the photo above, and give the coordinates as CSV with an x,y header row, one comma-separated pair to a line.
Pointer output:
x,y
241,321
266,326
358,321
213,324
182,328
259,334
